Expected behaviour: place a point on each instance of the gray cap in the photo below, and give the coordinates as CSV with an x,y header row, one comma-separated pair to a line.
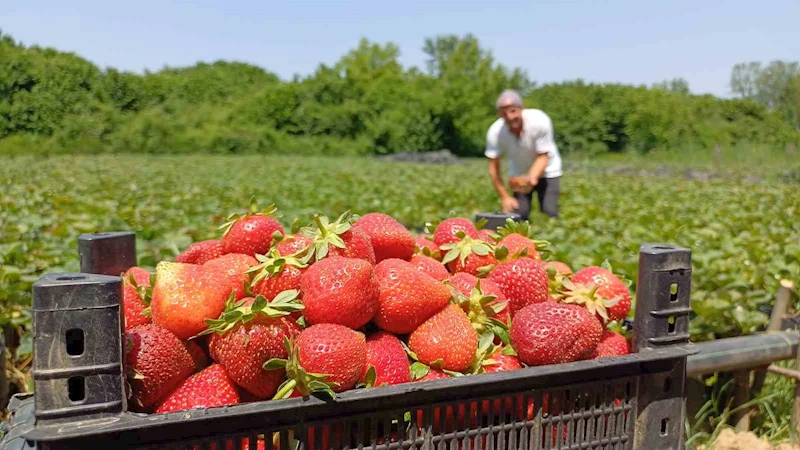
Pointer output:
x,y
509,95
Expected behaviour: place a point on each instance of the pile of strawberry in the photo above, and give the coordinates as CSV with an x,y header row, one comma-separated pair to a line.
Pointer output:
x,y
358,302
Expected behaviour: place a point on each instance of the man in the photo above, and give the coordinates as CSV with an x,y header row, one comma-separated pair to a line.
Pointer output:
x,y
525,137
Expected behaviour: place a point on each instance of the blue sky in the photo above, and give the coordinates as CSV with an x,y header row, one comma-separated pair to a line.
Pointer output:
x,y
637,42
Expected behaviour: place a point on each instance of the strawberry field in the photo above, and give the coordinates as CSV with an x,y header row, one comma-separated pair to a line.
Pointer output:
x,y
744,232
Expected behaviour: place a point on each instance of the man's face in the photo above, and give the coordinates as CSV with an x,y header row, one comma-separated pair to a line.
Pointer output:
x,y
512,115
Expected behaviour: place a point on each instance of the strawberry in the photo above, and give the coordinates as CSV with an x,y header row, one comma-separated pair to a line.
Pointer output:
x,y
293,244
498,358
209,388
517,237
248,334
200,252
430,374
277,273
325,358
446,230
487,236
234,266
470,254
252,232
407,296
446,340
481,308
387,360
184,295
338,238
553,333
522,280
340,290
198,355
559,267
156,361
136,295
430,266
390,239
423,245
600,291
611,344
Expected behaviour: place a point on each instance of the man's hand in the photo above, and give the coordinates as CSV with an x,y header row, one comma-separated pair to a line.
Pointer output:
x,y
510,204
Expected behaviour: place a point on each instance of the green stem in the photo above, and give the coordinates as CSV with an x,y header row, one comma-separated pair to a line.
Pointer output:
x,y
321,227
286,390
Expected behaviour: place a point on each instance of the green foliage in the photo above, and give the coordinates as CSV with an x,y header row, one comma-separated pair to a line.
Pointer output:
x,y
364,103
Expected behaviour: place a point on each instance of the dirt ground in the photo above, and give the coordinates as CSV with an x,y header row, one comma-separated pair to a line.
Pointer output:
x,y
731,440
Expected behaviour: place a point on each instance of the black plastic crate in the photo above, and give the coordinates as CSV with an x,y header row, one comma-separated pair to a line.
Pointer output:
x,y
630,402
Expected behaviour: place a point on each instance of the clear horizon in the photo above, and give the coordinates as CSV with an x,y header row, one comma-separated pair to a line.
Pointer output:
x,y
614,42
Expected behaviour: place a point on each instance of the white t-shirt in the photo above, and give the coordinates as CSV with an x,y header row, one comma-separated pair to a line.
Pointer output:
x,y
536,137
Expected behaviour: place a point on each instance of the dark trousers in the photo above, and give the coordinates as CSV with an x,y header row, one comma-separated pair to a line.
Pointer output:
x,y
547,190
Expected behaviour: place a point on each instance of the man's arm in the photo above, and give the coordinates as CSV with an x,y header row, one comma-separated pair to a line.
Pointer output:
x,y
494,172
537,168
544,145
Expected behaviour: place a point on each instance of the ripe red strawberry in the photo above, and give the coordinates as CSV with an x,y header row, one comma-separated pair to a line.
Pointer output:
x,y
388,360
234,267
252,232
338,238
465,283
523,281
600,291
325,357
423,245
611,344
517,244
430,266
446,340
200,252
433,374
340,290
407,297
198,355
277,273
518,238
469,255
486,236
497,358
553,333
293,244
484,310
156,361
209,388
445,232
559,267
390,239
248,334
136,295
184,295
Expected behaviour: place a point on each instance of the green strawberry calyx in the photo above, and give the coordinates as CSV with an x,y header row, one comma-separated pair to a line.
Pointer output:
x,y
480,308
370,377
466,246
270,211
419,369
486,349
273,263
297,378
237,312
324,233
145,293
587,296
556,281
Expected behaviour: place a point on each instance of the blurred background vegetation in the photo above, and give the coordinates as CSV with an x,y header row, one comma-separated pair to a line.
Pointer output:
x,y
367,103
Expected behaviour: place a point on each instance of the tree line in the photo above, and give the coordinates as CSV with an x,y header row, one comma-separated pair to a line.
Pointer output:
x,y
366,103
